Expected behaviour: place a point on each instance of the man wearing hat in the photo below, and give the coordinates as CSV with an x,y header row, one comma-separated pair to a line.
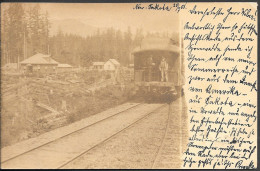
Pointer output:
x,y
163,67
150,65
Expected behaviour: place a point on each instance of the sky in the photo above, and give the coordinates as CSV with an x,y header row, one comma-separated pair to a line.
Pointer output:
x,y
117,15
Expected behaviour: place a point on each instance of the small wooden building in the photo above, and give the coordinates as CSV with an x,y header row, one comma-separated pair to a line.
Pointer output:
x,y
98,65
64,68
111,65
39,63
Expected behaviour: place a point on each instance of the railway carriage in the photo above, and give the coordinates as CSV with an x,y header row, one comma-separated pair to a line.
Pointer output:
x,y
158,70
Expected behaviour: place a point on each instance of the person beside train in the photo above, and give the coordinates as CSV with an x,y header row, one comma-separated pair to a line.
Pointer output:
x,y
163,67
150,65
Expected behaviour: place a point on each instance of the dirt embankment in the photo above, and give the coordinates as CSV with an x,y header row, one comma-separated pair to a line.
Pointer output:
x,y
32,113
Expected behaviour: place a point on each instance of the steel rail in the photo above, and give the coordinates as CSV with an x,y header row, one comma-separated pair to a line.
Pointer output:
x,y
110,137
14,157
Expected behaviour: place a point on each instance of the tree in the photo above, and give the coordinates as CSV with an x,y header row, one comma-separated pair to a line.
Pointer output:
x,y
13,32
138,37
38,26
127,47
4,37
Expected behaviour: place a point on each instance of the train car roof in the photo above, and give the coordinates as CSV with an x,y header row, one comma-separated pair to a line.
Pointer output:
x,y
156,44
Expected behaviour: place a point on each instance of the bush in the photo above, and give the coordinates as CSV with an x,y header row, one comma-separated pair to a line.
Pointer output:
x,y
71,118
108,76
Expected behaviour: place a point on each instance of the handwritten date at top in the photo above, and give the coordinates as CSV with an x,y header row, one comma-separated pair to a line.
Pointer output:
x,y
161,7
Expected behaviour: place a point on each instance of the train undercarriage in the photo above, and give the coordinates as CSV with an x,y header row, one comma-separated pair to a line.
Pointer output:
x,y
158,92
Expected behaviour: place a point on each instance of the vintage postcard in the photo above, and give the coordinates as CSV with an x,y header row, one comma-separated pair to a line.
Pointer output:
x,y
129,85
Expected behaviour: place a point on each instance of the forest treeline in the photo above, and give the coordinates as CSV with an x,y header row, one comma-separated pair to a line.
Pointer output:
x,y
26,31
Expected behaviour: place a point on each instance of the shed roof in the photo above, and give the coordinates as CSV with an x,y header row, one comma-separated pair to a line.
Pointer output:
x,y
39,59
64,66
114,61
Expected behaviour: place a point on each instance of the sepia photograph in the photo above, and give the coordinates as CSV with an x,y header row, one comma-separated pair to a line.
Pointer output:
x,y
91,86
129,85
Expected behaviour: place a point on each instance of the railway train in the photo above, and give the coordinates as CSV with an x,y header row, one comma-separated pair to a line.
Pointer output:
x,y
159,69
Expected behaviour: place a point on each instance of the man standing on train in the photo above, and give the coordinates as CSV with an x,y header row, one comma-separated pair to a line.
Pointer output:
x,y
150,65
163,67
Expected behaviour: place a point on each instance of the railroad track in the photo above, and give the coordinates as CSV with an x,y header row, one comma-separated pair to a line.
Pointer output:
x,y
168,155
112,136
6,160
54,148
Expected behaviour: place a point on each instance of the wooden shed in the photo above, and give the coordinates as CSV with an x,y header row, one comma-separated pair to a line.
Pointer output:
x,y
64,68
39,63
111,65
